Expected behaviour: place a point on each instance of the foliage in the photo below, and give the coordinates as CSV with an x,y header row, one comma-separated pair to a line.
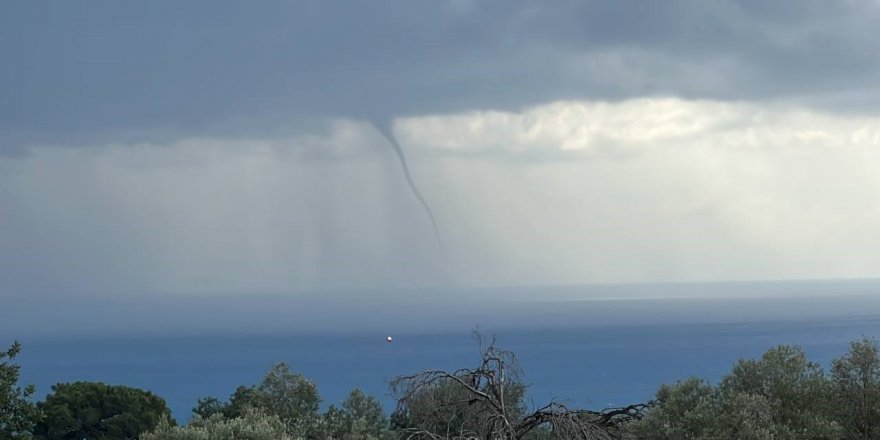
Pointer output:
x,y
294,401
360,418
98,411
283,394
796,390
780,396
291,397
685,410
361,406
18,414
856,377
250,425
208,407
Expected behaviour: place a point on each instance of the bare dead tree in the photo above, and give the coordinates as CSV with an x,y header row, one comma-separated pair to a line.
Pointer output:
x,y
485,403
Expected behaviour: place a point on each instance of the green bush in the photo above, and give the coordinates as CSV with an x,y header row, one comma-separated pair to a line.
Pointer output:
x,y
251,425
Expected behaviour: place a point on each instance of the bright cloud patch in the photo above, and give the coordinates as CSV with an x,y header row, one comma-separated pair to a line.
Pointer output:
x,y
660,189
637,124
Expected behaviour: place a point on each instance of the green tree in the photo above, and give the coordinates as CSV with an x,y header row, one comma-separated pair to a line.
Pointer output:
x,y
856,377
18,414
780,396
250,425
94,411
241,401
797,391
289,396
686,410
364,407
361,418
744,416
208,407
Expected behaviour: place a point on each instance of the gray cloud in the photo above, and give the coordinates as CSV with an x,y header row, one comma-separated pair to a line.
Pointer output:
x,y
213,215
124,71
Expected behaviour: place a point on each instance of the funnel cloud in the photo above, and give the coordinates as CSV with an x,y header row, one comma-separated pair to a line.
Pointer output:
x,y
389,136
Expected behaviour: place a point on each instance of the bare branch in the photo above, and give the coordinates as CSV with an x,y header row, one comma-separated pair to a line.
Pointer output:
x,y
486,403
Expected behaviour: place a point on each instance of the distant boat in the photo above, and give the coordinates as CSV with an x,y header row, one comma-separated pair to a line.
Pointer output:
x,y
389,339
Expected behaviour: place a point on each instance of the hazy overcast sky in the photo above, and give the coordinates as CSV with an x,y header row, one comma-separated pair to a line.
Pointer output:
x,y
216,146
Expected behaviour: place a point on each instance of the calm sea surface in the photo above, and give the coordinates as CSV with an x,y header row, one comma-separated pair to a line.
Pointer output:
x,y
583,366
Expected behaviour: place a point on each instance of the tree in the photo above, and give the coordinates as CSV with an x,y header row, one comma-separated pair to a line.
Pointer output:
x,y
780,396
487,403
796,389
361,418
208,407
241,401
97,411
685,410
18,414
856,377
695,410
251,425
361,406
746,416
289,396
294,401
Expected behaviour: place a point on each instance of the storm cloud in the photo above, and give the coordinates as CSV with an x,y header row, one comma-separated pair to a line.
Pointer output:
x,y
206,147
130,71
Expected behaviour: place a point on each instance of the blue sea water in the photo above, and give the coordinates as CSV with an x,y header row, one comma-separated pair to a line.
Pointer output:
x,y
585,366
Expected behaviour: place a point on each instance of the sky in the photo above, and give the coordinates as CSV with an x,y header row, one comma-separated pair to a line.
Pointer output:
x,y
206,148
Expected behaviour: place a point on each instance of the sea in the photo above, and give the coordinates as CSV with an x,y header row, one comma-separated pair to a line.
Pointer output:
x,y
588,367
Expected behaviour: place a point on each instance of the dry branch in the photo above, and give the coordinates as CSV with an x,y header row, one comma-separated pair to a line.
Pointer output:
x,y
485,403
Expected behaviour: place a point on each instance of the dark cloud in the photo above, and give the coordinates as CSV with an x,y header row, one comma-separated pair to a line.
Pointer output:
x,y
76,73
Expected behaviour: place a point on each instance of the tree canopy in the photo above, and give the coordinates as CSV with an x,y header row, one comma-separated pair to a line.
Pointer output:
x,y
18,414
856,377
249,425
96,411
780,396
293,401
